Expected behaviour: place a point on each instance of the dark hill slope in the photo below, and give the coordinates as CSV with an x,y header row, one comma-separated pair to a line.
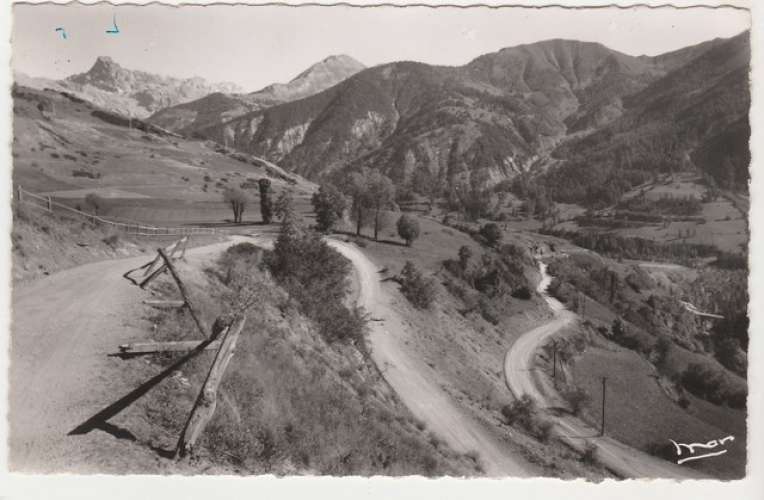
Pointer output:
x,y
664,126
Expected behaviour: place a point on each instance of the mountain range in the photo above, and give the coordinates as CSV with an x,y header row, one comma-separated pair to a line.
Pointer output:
x,y
189,117
518,109
128,92
587,121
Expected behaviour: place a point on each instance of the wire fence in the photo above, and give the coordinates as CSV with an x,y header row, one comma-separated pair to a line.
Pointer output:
x,y
47,203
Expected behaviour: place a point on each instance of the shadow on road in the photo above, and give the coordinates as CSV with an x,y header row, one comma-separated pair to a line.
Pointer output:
x,y
100,419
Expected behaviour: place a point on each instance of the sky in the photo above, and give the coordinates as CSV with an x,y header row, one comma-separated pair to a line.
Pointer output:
x,y
256,46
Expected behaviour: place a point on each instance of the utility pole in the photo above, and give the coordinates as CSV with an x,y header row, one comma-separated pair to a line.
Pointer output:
x,y
602,423
554,360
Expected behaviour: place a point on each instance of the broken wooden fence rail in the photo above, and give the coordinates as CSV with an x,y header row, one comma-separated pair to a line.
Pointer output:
x,y
171,346
176,250
143,284
165,304
204,406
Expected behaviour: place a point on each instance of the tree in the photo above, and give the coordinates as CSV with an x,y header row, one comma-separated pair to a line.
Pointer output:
x,y
380,195
329,204
238,200
472,197
284,207
661,351
94,203
729,354
356,188
408,229
266,205
419,290
491,233
465,254
617,329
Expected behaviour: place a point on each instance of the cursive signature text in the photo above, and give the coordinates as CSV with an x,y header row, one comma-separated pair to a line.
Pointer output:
x,y
692,449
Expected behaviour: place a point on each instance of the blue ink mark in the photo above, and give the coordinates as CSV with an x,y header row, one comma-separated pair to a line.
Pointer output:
x,y
115,29
63,32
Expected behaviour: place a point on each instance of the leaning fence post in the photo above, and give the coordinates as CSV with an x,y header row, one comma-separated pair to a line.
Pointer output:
x,y
204,407
183,292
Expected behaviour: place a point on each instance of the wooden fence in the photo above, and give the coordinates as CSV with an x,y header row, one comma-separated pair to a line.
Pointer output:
x,y
220,338
47,203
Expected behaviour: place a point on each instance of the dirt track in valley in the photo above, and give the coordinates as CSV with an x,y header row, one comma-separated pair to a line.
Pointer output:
x,y
522,378
416,384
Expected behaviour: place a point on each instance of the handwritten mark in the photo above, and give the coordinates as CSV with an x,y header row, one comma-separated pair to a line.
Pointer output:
x,y
114,30
708,446
63,32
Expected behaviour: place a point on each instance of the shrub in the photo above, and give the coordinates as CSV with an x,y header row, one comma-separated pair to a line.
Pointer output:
x,y
712,385
418,289
523,293
94,203
339,323
727,350
589,454
542,430
465,254
488,311
523,413
662,449
316,276
519,411
577,398
284,206
111,240
86,173
491,234
408,228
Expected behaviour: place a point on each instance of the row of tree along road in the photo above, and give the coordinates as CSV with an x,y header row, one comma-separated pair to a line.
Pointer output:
x,y
367,196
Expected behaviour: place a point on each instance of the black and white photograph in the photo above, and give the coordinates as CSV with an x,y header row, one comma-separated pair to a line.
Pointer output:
x,y
470,242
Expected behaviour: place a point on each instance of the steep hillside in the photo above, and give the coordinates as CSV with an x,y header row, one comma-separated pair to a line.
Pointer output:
x,y
130,92
674,121
425,125
218,108
67,147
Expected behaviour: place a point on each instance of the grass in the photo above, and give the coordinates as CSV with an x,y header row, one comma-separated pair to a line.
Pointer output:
x,y
44,242
723,224
435,244
640,413
126,166
295,403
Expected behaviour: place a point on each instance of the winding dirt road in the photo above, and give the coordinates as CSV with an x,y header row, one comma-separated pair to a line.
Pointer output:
x,y
64,325
522,378
416,384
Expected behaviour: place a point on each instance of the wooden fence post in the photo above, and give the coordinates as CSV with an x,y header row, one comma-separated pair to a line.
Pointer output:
x,y
183,292
204,407
50,204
